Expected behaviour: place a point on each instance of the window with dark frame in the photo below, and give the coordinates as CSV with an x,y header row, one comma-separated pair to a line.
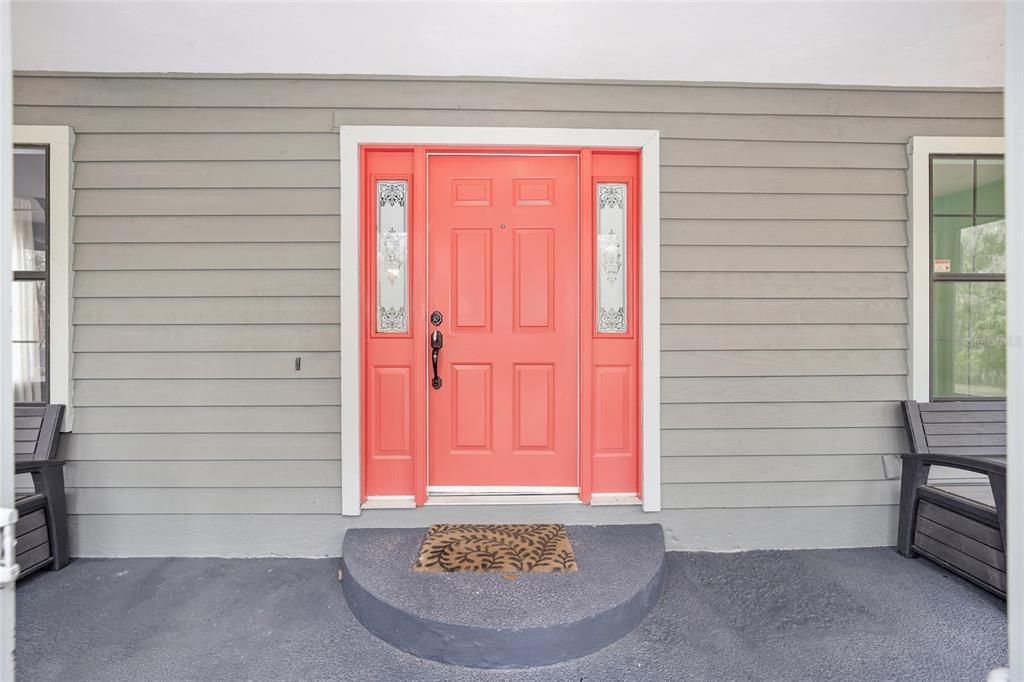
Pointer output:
x,y
30,263
968,277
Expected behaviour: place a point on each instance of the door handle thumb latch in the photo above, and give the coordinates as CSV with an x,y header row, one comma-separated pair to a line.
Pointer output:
x,y
436,344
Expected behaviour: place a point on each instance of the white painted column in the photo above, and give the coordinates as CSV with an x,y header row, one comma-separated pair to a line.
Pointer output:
x,y
1014,99
6,388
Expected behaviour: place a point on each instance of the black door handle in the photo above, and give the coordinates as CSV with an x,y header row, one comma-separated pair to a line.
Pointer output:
x,y
436,344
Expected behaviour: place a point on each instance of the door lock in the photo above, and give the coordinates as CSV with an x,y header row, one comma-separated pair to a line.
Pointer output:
x,y
436,318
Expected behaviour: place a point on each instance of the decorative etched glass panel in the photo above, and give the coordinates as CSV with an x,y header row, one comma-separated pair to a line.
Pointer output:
x,y
611,257
392,257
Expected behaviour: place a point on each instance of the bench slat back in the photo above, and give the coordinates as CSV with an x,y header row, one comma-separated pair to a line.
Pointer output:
x,y
36,428
975,427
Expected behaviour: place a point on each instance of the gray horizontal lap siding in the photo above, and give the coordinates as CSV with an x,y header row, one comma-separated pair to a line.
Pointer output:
x,y
206,258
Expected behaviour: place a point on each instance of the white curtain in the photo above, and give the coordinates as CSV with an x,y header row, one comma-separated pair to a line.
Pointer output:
x,y
28,351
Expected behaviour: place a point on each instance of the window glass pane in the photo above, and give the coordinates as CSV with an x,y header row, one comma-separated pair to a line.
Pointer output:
x,y
29,335
958,245
392,257
968,339
611,257
952,186
990,187
30,206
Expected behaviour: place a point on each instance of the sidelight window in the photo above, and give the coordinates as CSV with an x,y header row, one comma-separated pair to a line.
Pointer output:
x,y
610,262
392,257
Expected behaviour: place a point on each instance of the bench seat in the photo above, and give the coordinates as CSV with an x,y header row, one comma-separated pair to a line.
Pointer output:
x,y
42,528
960,526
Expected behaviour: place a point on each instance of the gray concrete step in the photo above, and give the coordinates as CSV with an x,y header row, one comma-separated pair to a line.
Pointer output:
x,y
485,620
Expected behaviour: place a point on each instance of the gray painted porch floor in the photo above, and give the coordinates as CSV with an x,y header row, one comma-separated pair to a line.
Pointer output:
x,y
853,614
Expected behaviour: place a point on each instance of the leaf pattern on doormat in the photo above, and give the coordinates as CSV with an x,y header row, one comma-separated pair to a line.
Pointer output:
x,y
510,548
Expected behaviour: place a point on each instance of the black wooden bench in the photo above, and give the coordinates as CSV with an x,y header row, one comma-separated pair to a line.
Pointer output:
x,y
965,535
42,529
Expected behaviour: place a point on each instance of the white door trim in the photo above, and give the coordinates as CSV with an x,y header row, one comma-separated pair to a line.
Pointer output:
x,y
646,141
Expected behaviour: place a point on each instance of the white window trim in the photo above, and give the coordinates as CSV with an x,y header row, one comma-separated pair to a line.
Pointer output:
x,y
920,151
60,140
647,141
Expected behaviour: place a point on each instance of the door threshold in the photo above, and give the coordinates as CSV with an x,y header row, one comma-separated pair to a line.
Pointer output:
x,y
435,500
503,490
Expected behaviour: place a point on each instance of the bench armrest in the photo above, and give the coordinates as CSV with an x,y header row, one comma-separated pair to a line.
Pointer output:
x,y
982,464
36,465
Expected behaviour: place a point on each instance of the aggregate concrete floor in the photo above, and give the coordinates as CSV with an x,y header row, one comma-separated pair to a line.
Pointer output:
x,y
853,614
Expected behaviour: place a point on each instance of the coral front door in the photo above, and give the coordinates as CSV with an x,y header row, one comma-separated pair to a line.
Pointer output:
x,y
503,277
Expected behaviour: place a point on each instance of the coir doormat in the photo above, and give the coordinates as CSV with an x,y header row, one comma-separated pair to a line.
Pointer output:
x,y
526,548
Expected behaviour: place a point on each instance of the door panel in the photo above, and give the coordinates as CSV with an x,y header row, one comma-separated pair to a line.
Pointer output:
x,y
472,415
535,413
503,269
471,294
534,279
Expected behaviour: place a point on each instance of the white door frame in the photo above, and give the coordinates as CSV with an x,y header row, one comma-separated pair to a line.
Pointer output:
x,y
648,144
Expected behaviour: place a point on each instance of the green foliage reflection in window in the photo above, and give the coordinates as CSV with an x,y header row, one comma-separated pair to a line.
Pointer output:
x,y
968,302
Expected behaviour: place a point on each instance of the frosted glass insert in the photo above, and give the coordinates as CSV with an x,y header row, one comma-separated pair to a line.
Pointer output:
x,y
611,257
392,257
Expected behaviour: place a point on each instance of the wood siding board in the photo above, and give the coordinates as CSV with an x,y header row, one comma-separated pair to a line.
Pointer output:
x,y
746,126
831,285
195,229
207,174
206,201
187,283
783,337
772,468
199,365
286,256
761,232
202,392
698,442
234,419
784,311
779,494
863,259
767,415
235,310
782,389
224,500
782,363
202,147
113,119
386,93
291,473
179,338
171,445
753,154
783,180
776,206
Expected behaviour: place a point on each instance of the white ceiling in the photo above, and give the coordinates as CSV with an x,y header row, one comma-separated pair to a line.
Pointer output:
x,y
858,42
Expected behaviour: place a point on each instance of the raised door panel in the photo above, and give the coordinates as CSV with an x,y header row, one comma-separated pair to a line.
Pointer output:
x,y
392,397
471,413
534,285
534,405
611,409
471,284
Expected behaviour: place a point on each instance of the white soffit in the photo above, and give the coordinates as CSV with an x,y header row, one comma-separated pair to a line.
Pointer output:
x,y
857,42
